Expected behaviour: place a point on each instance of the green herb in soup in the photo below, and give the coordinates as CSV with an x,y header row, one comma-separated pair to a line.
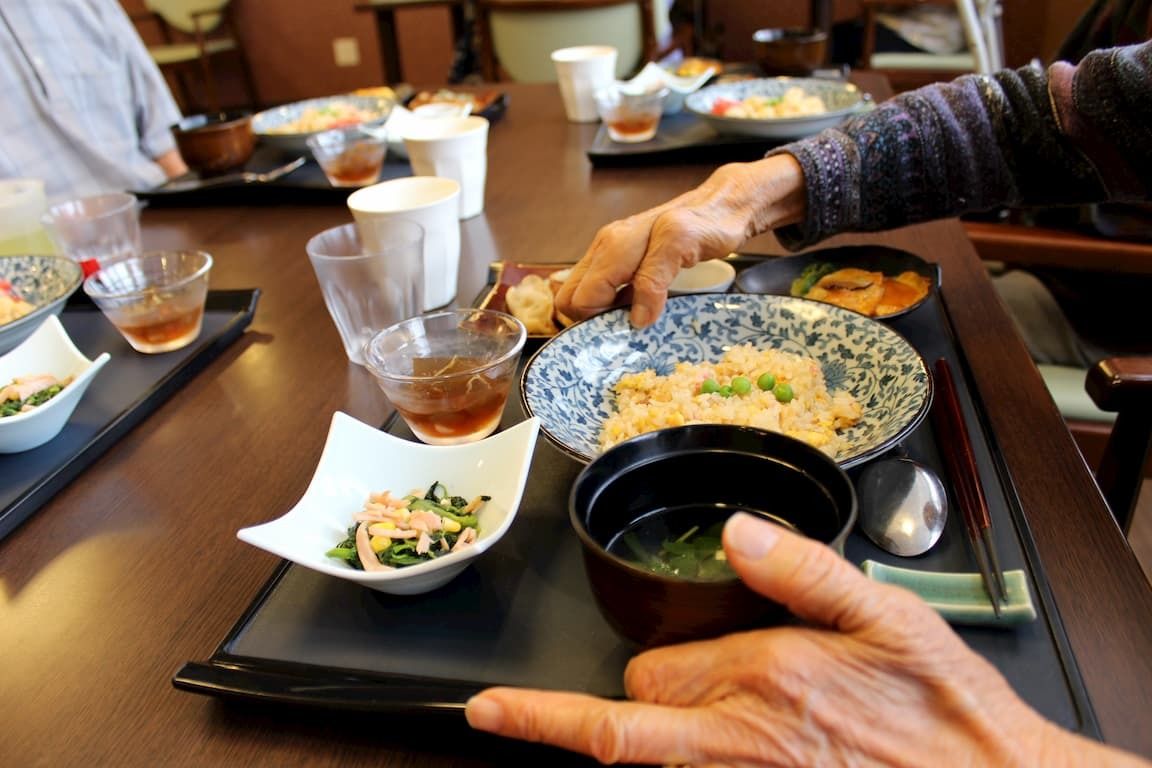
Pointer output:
x,y
397,531
682,541
696,554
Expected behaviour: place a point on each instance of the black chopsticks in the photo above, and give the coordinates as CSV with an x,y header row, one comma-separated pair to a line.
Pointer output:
x,y
956,447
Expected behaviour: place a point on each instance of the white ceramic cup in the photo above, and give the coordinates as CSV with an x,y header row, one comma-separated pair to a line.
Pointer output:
x,y
452,148
433,203
581,71
368,289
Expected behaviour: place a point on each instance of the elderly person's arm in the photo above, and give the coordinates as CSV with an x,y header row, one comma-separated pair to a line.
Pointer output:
x,y
876,677
1062,136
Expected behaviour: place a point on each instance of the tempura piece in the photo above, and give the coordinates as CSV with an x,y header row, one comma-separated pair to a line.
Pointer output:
x,y
532,303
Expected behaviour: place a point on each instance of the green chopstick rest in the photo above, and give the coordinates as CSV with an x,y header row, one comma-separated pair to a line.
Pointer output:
x,y
960,597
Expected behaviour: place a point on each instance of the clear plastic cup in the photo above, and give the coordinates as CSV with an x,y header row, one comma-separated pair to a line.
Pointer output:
x,y
349,158
96,230
448,373
155,300
369,286
631,115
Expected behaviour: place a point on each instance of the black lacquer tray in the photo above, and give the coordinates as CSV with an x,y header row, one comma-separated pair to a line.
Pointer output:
x,y
130,386
681,138
523,614
305,185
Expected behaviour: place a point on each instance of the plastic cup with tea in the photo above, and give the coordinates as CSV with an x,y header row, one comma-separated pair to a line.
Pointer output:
x,y
349,158
448,373
156,300
631,115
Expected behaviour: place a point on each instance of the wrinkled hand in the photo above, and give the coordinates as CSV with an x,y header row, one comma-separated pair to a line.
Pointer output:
x,y
875,677
646,250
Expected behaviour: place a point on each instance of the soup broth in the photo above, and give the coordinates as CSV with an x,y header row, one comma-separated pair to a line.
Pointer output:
x,y
683,541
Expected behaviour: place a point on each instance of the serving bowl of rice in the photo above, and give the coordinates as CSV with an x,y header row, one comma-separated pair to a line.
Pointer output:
x,y
288,126
841,382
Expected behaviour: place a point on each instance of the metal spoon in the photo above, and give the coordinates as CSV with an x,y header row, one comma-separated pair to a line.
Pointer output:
x,y
903,506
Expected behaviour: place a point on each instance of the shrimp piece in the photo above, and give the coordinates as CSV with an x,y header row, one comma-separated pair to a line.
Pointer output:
x,y
423,544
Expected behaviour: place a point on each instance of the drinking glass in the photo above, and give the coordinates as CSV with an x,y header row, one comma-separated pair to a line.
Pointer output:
x,y
96,230
369,286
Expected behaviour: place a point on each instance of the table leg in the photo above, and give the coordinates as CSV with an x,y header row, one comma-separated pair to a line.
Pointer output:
x,y
389,47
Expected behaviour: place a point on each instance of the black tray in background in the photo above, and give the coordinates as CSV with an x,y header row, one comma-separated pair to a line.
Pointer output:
x,y
523,614
682,137
306,185
129,387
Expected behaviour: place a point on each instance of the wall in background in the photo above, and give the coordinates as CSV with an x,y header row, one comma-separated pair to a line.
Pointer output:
x,y
290,42
290,48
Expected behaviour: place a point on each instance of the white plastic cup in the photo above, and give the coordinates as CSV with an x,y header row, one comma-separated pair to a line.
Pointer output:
x,y
581,71
433,203
452,148
368,288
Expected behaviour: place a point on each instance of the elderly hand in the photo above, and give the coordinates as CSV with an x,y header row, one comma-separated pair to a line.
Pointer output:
x,y
877,677
736,202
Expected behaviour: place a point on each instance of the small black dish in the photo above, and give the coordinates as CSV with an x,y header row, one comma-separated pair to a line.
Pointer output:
x,y
775,276
656,487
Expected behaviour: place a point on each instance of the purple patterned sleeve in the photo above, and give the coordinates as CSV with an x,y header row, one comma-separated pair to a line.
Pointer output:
x,y
983,141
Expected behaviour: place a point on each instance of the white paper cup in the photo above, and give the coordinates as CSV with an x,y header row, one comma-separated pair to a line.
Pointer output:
x,y
367,289
433,203
452,148
581,71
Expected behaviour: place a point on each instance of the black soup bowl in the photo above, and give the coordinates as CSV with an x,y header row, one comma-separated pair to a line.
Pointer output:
x,y
649,510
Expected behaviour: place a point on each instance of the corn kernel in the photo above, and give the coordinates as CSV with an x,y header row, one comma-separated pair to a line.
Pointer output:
x,y
380,543
450,525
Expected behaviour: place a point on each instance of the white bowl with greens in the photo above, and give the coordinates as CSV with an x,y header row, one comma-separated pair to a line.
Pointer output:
x,y
360,462
51,376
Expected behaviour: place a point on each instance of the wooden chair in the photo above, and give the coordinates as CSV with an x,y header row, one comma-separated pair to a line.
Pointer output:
x,y
194,33
516,37
905,70
1108,407
1123,385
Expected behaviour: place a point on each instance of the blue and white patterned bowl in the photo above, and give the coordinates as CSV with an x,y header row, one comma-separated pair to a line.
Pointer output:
x,y
841,100
567,383
44,281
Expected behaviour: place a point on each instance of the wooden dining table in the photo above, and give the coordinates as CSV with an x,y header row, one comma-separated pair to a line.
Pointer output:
x,y
134,567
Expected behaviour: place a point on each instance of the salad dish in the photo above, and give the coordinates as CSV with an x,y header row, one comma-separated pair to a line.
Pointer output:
x,y
41,382
341,526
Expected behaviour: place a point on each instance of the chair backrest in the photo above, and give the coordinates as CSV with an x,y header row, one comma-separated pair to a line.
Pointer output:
x,y
179,13
517,37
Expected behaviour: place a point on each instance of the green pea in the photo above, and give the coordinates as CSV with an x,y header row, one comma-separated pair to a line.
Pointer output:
x,y
708,386
783,392
741,385
726,391
766,382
